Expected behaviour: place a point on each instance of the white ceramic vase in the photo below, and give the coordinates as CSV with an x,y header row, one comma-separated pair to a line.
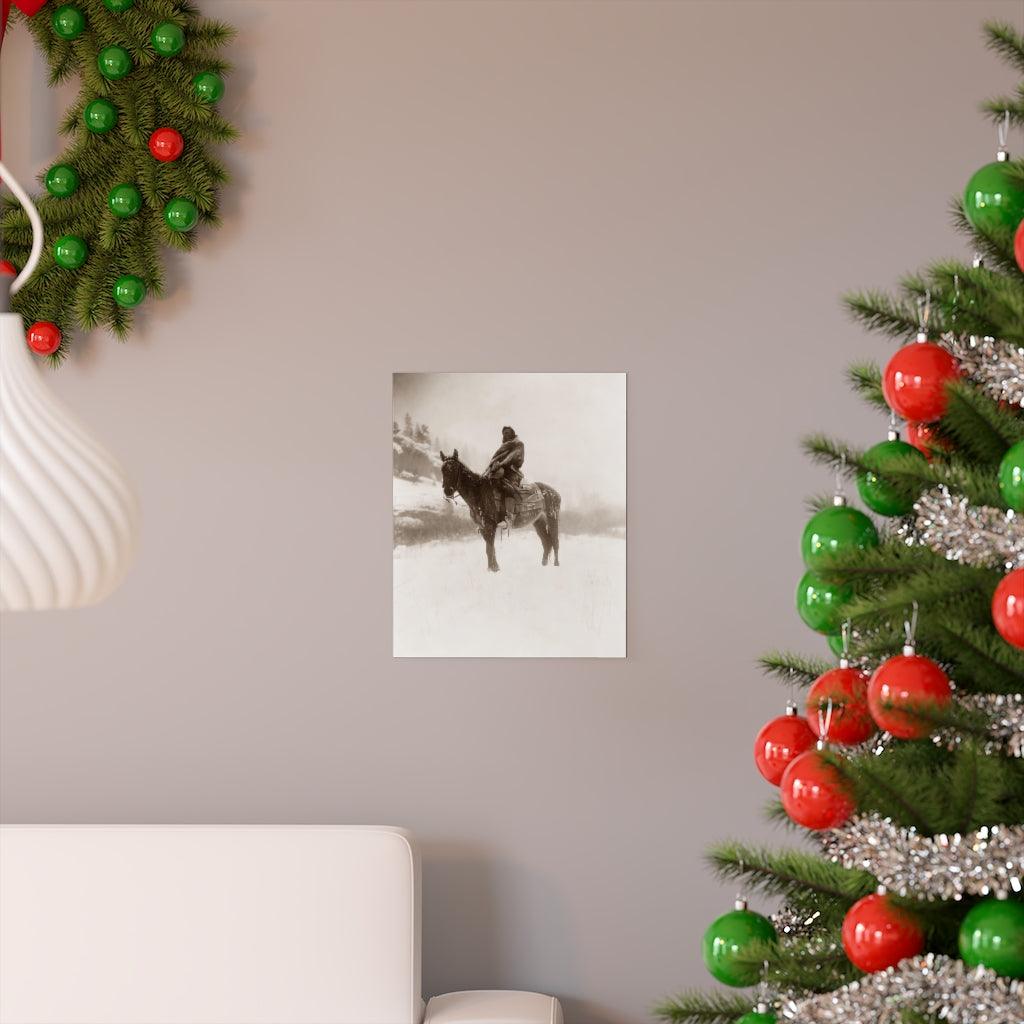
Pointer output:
x,y
68,518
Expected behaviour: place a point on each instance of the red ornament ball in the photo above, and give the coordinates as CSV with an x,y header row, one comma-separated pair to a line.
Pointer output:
x,y
902,684
1008,608
914,383
166,144
814,794
7,267
926,439
44,338
877,934
1018,246
778,742
850,721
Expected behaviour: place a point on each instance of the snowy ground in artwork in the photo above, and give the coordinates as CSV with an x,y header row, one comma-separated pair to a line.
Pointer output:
x,y
410,495
448,605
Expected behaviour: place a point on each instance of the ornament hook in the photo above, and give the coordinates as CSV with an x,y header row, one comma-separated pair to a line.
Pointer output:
x,y
924,311
1003,134
839,497
910,630
825,720
740,902
894,430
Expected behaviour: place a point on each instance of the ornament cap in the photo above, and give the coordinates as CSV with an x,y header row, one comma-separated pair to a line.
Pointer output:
x,y
893,434
839,500
1003,156
844,661
740,904
922,337
881,890
909,650
762,1007
821,745
791,711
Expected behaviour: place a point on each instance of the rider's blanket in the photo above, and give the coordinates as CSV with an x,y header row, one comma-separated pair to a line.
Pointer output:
x,y
528,503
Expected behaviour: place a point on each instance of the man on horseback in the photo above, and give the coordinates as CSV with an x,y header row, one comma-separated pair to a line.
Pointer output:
x,y
505,474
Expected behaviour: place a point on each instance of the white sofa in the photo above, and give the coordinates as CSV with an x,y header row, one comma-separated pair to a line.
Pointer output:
x,y
183,924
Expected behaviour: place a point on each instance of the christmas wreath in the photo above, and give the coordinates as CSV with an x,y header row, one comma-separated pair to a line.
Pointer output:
x,y
137,173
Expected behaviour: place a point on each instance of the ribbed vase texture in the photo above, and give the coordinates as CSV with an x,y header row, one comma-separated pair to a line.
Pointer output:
x,y
68,518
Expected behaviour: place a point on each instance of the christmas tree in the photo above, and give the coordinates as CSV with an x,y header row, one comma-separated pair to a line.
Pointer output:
x,y
902,766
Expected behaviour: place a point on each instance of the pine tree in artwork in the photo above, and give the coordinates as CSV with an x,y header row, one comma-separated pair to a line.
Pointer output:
x,y
902,767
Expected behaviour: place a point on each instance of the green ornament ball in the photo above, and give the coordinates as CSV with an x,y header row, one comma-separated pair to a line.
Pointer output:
x,y
835,643
114,62
100,116
129,291
992,935
167,39
993,199
124,200
820,604
1011,477
208,86
61,180
882,495
181,214
68,21
117,6
757,1017
70,252
728,939
836,530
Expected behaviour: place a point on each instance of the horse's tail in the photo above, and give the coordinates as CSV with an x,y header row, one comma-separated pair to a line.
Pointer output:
x,y
552,509
552,501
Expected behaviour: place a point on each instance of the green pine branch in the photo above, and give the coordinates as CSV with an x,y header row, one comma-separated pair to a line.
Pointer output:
x,y
791,874
809,966
963,476
979,426
866,380
793,669
695,1007
920,785
1004,40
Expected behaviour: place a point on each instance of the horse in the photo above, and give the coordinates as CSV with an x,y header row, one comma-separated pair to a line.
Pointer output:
x,y
477,493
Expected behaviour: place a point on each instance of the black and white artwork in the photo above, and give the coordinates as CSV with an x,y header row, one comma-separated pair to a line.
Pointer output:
x,y
509,515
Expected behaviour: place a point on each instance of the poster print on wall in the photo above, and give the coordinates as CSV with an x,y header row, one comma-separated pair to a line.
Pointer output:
x,y
509,515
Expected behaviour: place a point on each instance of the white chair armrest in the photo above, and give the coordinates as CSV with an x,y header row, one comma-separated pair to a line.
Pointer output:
x,y
493,1007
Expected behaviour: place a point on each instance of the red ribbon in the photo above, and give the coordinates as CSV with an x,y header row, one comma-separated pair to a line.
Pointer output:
x,y
27,7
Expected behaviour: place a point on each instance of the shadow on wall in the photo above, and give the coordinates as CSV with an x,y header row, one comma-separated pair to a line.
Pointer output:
x,y
471,900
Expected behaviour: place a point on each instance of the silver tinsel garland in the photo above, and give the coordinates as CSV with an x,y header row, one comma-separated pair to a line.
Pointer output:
x,y
987,862
997,367
793,924
972,534
1005,714
932,985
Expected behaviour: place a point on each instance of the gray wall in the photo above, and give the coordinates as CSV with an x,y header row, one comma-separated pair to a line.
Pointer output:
x,y
681,190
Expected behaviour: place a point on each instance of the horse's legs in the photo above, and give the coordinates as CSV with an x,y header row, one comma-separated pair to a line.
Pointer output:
x,y
553,534
488,532
540,526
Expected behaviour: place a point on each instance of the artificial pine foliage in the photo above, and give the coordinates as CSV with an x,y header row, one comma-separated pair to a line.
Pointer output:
x,y
967,774
148,90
